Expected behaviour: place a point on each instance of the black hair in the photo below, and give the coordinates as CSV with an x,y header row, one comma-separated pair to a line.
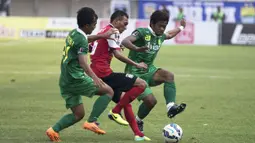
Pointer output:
x,y
159,15
86,15
118,14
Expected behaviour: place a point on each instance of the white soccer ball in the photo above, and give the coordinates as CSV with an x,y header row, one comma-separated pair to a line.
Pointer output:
x,y
172,133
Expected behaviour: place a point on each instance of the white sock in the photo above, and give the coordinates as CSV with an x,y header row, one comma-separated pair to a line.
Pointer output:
x,y
169,105
138,119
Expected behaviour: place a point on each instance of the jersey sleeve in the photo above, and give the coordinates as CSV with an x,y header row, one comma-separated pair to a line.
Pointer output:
x,y
115,44
164,37
137,33
81,46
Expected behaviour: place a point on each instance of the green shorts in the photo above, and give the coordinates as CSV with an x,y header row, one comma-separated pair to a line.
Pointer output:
x,y
72,92
148,77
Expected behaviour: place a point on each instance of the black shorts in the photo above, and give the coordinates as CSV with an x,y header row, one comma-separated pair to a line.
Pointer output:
x,y
119,82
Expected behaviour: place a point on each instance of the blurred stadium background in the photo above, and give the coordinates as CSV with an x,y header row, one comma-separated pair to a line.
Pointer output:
x,y
213,60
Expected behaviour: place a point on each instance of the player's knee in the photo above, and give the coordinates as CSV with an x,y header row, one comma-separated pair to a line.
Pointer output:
x,y
150,102
109,91
141,83
153,103
79,115
169,76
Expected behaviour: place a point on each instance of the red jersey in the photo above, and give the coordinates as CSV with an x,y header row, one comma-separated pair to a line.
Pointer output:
x,y
102,53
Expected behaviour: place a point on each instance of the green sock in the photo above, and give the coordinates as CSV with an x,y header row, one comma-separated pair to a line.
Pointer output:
x,y
64,122
99,106
143,111
169,92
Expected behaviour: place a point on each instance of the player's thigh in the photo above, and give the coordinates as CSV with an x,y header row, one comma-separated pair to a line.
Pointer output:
x,y
120,81
85,87
140,82
162,75
72,100
147,92
149,76
105,89
72,93
117,96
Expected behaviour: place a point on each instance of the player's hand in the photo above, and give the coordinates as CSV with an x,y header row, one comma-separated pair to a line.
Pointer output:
x,y
122,47
142,49
142,65
107,35
183,22
98,82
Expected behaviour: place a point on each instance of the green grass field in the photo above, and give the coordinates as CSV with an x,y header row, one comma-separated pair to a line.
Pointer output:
x,y
217,83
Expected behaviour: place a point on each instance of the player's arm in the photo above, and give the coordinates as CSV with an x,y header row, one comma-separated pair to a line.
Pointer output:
x,y
128,42
83,61
172,33
115,46
106,35
119,55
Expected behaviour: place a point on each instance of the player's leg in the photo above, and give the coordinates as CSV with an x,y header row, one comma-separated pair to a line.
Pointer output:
x,y
124,82
132,86
139,136
106,94
166,77
149,101
74,102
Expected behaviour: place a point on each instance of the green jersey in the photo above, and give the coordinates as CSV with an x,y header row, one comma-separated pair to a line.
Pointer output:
x,y
145,37
76,43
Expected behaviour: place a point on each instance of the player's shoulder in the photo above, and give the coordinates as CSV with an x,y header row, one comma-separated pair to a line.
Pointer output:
x,y
140,31
105,29
143,30
78,35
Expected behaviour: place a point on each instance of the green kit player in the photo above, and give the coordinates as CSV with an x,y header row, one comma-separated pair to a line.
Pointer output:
x,y
77,79
144,44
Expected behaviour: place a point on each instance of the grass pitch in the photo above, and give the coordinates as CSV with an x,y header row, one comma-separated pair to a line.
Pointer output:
x,y
217,83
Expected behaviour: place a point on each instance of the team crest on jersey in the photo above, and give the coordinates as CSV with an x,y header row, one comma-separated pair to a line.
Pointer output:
x,y
147,37
159,42
129,75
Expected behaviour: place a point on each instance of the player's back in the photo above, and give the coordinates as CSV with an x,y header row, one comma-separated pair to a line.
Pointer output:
x,y
101,55
76,43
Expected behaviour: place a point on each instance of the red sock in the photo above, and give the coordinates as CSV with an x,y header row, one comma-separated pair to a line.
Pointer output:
x,y
128,97
130,117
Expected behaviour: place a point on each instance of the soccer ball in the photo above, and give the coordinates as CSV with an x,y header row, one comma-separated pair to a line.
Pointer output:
x,y
172,133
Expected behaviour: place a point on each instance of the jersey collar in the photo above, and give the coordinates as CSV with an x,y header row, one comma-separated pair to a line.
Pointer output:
x,y
152,32
111,25
80,31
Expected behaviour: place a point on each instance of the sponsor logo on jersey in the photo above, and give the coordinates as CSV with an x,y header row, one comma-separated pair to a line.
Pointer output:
x,y
129,75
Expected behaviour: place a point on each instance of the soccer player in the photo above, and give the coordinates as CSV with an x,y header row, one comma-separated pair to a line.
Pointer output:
x,y
101,55
74,82
153,37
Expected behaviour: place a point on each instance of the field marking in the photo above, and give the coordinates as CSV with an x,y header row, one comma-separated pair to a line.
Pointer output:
x,y
178,75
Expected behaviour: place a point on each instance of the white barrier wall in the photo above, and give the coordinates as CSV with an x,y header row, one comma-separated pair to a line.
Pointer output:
x,y
199,33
